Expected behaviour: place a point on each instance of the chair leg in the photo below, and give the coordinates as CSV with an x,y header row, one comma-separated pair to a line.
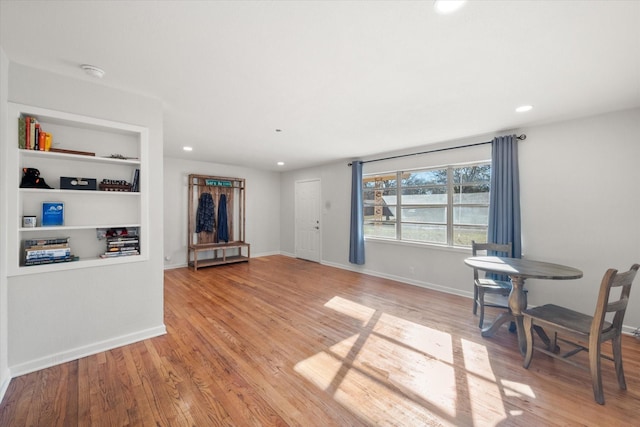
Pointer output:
x,y
475,299
616,344
528,333
553,344
481,304
594,366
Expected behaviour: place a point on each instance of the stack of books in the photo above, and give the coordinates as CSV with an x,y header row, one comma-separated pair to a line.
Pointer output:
x,y
47,251
122,246
31,136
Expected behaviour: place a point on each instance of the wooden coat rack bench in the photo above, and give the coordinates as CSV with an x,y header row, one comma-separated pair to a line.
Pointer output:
x,y
207,248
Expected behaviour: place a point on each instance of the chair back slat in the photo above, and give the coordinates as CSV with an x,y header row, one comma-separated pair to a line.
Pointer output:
x,y
617,305
490,249
612,280
501,249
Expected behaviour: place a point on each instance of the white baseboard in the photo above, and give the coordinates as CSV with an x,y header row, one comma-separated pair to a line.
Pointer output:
x,y
77,353
6,379
419,283
173,266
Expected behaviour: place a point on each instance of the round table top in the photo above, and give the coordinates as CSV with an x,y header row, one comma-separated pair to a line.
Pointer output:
x,y
520,267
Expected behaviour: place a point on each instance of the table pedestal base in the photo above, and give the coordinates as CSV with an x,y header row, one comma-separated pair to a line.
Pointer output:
x,y
517,303
522,342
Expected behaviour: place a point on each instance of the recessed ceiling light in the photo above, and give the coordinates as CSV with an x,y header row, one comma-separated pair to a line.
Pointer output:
x,y
280,163
523,108
187,148
445,7
93,71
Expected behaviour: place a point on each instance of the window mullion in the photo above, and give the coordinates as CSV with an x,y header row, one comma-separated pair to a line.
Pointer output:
x,y
399,205
449,205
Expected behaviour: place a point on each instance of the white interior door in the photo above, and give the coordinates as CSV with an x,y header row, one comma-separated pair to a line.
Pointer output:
x,y
307,218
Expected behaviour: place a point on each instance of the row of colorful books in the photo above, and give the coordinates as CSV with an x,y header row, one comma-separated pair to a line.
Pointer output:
x,y
31,136
47,251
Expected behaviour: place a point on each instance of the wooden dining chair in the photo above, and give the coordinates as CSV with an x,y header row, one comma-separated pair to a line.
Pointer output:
x,y
584,332
483,285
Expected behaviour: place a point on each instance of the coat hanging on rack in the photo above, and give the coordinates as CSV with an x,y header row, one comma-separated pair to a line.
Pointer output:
x,y
205,220
223,228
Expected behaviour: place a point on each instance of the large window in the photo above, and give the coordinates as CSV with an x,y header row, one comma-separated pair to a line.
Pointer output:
x,y
448,205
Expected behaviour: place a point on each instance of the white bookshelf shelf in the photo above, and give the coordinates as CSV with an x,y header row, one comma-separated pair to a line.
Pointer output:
x,y
84,210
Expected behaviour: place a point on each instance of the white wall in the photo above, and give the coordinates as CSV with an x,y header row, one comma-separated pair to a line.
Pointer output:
x,y
262,207
64,315
335,205
429,266
579,204
5,375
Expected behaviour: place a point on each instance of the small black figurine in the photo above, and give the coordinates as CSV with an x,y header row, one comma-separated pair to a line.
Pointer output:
x,y
31,179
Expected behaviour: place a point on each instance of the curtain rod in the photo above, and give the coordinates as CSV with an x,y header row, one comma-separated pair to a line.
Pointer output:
x,y
520,138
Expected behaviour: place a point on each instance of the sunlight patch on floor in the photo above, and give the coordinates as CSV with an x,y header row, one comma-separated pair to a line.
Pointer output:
x,y
350,308
481,385
373,394
423,339
397,371
516,389
320,369
476,360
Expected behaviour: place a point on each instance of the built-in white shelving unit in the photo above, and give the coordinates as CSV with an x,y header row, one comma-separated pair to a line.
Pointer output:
x,y
85,211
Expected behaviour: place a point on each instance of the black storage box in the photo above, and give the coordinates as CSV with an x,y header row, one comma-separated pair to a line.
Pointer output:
x,y
67,183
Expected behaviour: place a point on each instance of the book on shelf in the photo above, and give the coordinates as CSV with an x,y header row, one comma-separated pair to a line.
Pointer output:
x,y
22,132
134,250
36,137
122,242
52,214
42,136
33,254
120,239
48,246
119,254
27,133
122,245
32,132
31,135
50,261
46,250
135,182
128,247
45,241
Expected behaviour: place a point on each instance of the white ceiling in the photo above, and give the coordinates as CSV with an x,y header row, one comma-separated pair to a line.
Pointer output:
x,y
341,79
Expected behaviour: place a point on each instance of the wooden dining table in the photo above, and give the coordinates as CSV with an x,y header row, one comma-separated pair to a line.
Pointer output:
x,y
518,270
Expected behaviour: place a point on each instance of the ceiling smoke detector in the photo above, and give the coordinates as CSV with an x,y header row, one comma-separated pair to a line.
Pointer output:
x,y
445,7
93,71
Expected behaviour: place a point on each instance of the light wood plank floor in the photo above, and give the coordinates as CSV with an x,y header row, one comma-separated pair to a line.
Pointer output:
x,y
284,342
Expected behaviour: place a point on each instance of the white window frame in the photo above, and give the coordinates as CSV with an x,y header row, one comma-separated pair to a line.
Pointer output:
x,y
450,205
